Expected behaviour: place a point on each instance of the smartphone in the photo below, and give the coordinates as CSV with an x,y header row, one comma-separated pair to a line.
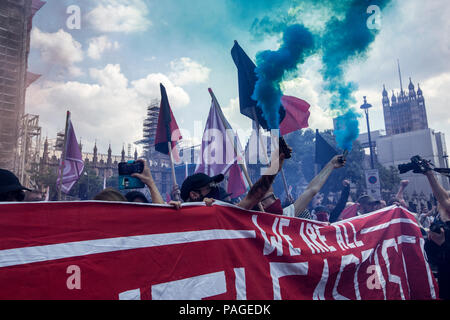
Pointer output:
x,y
126,169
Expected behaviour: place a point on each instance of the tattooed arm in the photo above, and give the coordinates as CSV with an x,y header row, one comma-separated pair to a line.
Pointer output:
x,y
261,187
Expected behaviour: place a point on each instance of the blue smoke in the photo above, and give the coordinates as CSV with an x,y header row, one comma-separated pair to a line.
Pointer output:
x,y
297,44
345,37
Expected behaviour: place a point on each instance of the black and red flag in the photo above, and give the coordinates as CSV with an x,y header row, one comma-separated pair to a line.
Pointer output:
x,y
166,126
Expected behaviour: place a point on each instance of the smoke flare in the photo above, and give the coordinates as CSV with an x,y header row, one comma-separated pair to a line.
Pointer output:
x,y
272,66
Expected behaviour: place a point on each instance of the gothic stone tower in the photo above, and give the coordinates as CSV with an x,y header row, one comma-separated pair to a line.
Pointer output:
x,y
405,112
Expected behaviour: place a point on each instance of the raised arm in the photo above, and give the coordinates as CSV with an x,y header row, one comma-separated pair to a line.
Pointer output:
x,y
147,178
401,190
262,186
317,183
340,206
441,195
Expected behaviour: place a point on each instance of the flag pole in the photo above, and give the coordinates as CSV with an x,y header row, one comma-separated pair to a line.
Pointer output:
x,y
241,165
267,158
177,193
63,156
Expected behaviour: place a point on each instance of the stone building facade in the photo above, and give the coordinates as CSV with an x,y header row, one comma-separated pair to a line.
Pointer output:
x,y
106,165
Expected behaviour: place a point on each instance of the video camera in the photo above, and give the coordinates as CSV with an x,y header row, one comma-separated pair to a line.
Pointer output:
x,y
417,165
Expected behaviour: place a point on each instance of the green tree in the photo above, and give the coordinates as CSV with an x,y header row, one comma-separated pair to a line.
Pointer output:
x,y
87,186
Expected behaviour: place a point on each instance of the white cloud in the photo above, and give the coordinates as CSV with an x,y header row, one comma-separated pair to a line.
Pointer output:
x,y
150,87
111,109
309,87
437,95
110,77
187,71
97,46
239,123
119,16
58,48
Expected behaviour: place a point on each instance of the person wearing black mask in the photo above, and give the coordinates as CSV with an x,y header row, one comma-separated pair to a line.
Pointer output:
x,y
203,188
200,186
10,188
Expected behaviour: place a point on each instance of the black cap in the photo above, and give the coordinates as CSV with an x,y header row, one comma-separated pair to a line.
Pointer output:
x,y
9,182
197,181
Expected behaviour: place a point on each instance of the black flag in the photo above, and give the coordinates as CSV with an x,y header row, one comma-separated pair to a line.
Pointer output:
x,y
247,80
324,151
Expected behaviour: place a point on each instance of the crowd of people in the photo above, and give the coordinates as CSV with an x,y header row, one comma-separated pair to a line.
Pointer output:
x,y
434,220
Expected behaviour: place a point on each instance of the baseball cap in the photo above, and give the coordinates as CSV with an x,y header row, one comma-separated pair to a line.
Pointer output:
x,y
9,182
197,181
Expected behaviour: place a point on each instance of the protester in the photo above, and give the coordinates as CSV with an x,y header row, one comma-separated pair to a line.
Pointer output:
x,y
400,194
381,204
427,217
201,187
33,195
437,248
270,203
340,206
367,204
136,196
110,194
299,207
442,196
322,214
147,178
10,188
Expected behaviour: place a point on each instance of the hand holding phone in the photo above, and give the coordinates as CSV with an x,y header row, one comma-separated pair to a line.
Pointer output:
x,y
126,169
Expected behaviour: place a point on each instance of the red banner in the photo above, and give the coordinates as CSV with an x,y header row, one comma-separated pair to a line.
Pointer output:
x,y
95,250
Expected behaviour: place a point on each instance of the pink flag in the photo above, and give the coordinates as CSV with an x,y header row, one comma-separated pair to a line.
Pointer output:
x,y
72,163
297,114
236,183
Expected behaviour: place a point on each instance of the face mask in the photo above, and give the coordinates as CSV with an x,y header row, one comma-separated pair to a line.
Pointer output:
x,y
213,194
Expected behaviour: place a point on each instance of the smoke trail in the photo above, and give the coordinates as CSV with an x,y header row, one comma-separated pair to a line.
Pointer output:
x,y
343,38
297,44
346,39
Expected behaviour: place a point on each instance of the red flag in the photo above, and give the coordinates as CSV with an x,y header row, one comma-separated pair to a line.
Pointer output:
x,y
166,126
236,184
297,114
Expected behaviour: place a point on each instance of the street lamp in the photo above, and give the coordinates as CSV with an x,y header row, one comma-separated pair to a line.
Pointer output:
x,y
366,107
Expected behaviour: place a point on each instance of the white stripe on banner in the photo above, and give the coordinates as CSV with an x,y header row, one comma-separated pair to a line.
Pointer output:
x,y
19,256
387,224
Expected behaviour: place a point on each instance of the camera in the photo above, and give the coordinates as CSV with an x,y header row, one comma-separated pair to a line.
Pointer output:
x,y
126,169
417,165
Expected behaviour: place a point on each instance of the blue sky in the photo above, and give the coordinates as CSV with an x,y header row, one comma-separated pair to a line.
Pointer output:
x,y
107,71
